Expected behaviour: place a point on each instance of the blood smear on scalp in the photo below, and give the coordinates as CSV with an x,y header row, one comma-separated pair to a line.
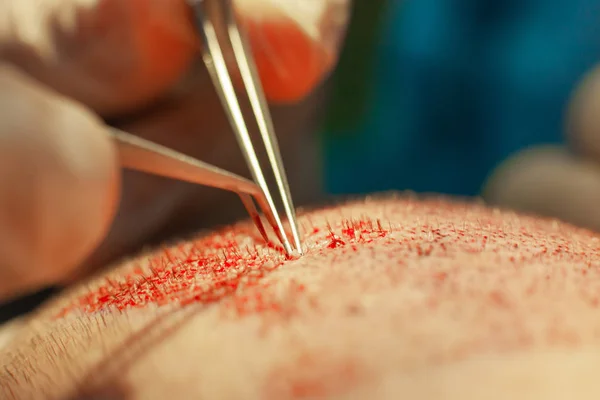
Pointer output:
x,y
212,269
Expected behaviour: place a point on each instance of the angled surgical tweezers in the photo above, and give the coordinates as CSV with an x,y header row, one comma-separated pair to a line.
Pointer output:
x,y
146,156
142,155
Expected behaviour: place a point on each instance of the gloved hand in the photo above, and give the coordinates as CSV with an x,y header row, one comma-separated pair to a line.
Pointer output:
x,y
558,181
67,65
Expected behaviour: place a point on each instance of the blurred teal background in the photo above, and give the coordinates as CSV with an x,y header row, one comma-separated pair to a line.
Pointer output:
x,y
431,95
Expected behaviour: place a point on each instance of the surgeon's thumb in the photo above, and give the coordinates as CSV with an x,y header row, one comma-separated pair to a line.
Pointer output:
x,y
58,184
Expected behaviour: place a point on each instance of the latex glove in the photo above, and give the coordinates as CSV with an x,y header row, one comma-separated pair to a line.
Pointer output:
x,y
558,181
65,64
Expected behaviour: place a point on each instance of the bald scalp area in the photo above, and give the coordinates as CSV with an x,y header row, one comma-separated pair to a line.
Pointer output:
x,y
395,296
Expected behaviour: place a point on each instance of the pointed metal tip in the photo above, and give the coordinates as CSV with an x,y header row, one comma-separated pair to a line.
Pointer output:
x,y
296,235
254,215
275,223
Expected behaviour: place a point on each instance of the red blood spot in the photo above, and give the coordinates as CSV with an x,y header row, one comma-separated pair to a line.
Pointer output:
x,y
499,299
311,376
440,276
335,242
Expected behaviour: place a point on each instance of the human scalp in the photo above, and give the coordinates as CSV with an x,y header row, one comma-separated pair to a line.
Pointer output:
x,y
395,296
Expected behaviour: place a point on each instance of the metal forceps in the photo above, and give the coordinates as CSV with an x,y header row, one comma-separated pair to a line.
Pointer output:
x,y
214,59
143,155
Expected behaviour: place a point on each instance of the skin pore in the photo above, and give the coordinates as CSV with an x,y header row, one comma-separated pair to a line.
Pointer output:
x,y
395,297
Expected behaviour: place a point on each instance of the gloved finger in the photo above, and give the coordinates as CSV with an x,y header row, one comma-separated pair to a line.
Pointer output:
x,y
58,184
548,181
113,55
583,130
117,56
295,42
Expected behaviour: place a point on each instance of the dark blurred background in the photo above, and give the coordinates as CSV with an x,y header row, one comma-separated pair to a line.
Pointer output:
x,y
432,95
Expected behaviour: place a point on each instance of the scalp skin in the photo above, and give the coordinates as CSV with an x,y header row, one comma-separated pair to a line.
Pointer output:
x,y
424,299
